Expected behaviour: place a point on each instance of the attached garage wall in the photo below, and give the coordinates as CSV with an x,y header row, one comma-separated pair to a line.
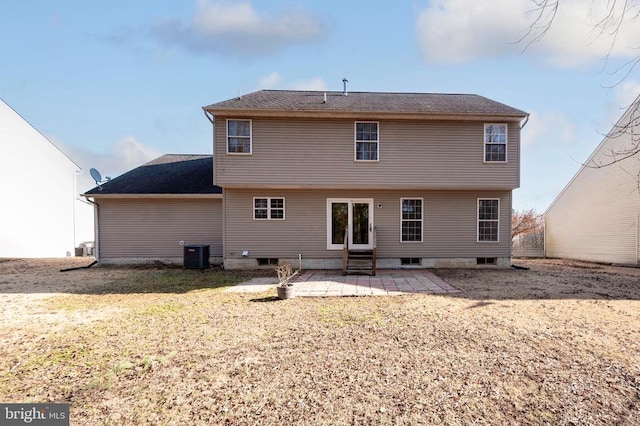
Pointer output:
x,y
152,229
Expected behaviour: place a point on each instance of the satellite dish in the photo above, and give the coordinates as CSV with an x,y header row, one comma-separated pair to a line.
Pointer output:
x,y
95,174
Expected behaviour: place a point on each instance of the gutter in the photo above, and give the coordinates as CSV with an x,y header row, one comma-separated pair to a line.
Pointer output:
x,y
262,113
154,196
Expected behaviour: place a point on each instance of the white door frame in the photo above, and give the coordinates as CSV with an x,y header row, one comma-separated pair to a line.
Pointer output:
x,y
350,202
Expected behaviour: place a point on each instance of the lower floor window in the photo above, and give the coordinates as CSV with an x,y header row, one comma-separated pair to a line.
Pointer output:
x,y
488,219
411,220
268,208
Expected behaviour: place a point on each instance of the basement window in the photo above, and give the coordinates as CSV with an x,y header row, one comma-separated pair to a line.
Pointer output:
x,y
410,261
486,261
266,261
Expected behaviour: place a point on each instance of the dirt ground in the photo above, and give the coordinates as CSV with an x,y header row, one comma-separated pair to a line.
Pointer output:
x,y
556,344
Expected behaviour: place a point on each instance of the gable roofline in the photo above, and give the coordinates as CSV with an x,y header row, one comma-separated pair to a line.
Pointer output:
x,y
332,104
41,134
625,117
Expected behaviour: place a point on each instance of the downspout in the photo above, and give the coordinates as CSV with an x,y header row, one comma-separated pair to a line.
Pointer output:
x,y
544,237
96,232
211,119
526,120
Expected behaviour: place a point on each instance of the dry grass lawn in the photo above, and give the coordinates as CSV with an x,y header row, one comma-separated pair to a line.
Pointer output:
x,y
557,344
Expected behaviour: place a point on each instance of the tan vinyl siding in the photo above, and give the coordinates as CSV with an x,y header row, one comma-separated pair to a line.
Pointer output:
x,y
146,228
306,153
449,224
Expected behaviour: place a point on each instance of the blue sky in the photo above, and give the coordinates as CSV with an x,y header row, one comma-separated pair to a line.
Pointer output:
x,y
115,84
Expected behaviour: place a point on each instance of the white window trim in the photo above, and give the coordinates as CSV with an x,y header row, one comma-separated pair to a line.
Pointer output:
x,y
412,220
250,136
485,143
355,142
284,209
478,221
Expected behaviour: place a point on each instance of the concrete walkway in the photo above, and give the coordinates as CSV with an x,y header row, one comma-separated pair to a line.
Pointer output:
x,y
332,283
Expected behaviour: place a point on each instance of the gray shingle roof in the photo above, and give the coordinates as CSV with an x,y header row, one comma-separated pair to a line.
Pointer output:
x,y
374,102
169,174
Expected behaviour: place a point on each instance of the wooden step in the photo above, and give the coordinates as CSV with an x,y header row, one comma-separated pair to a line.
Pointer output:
x,y
360,262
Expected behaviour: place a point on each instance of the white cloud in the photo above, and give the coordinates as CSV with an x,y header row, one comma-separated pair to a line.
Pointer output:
x,y
627,92
130,152
312,84
547,128
622,96
454,31
275,81
270,81
239,29
122,156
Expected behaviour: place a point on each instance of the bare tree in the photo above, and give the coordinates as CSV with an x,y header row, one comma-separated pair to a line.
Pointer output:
x,y
608,26
524,222
527,233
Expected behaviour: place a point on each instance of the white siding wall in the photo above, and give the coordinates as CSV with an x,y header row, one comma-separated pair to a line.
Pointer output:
x,y
37,192
596,216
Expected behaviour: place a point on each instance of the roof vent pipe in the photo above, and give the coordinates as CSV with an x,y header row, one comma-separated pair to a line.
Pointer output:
x,y
344,82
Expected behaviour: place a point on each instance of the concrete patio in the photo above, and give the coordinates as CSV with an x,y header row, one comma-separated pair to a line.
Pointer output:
x,y
387,282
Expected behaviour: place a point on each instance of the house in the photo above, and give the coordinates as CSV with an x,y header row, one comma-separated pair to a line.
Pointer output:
x,y
152,211
596,216
420,180
41,215
329,179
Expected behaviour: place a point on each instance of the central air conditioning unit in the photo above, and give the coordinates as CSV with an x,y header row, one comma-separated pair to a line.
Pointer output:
x,y
196,256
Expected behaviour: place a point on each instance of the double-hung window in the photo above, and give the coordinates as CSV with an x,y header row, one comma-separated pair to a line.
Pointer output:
x,y
266,208
238,136
411,220
495,143
488,219
366,141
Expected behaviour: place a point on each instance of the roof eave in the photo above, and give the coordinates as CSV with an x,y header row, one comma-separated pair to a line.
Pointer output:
x,y
147,196
273,113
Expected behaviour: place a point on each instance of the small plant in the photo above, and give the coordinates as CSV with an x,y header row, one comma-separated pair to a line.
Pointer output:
x,y
285,274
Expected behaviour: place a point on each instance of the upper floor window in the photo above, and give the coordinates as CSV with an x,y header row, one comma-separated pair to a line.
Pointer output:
x,y
268,208
366,141
488,219
238,136
411,220
495,143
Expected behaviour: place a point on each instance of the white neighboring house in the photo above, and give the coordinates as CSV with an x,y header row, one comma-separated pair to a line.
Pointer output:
x,y
40,208
596,217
